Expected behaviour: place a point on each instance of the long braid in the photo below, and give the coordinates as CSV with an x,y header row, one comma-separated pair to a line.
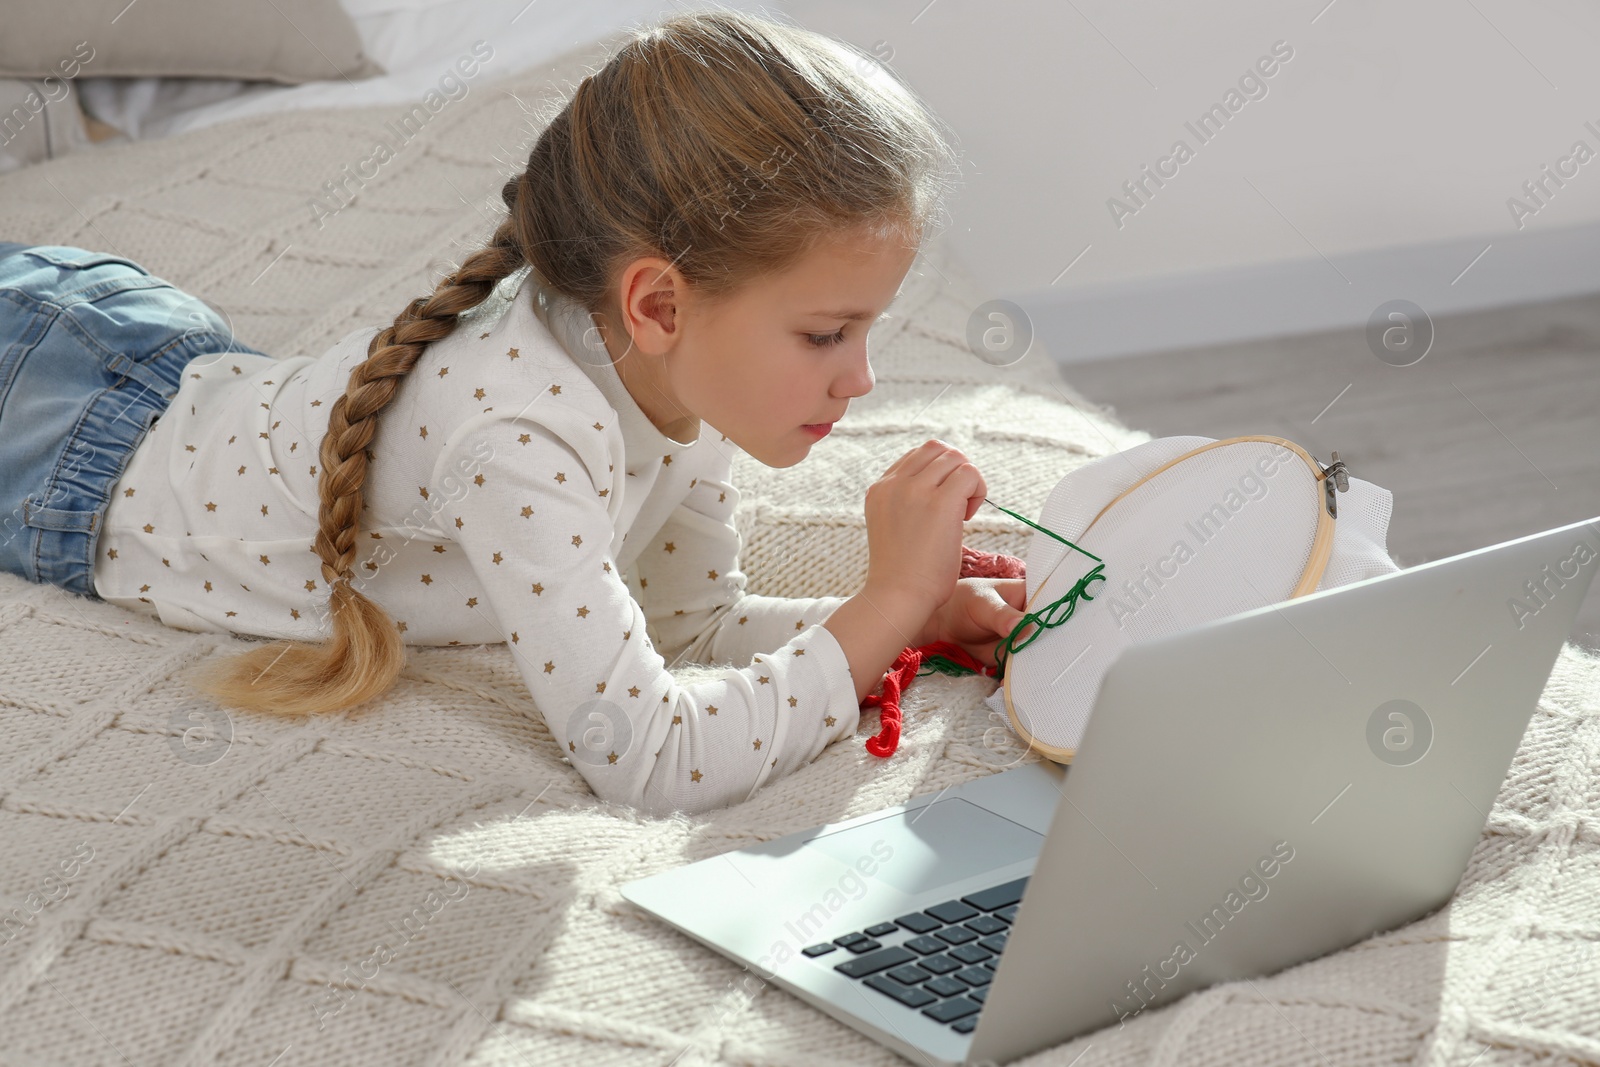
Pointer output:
x,y
366,652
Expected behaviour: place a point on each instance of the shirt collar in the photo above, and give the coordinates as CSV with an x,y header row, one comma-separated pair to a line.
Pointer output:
x,y
571,325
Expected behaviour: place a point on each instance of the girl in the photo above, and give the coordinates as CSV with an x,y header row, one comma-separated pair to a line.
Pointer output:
x,y
701,238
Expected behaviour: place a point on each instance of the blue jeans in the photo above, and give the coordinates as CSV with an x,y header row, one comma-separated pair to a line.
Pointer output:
x,y
92,351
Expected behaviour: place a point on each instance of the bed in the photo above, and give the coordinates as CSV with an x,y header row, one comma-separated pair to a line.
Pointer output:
x,y
192,887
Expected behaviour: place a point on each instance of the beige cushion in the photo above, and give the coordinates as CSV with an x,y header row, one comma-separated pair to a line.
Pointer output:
x,y
289,41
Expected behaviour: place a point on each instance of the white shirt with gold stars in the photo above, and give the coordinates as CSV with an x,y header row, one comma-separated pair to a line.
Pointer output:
x,y
516,493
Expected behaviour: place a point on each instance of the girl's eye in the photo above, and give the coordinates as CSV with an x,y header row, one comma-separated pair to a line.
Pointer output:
x,y
825,340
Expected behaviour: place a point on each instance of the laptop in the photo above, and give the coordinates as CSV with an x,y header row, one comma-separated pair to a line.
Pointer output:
x,y
1250,793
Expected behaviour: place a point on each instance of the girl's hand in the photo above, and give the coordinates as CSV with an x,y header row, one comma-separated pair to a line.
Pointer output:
x,y
979,613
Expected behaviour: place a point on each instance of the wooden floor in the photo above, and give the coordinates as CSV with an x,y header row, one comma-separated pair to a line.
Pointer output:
x,y
1494,434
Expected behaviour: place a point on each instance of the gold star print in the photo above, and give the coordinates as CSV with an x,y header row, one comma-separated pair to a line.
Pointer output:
x,y
763,679
799,651
427,579
527,511
711,709
313,470
477,479
148,528
263,509
311,585
524,438
459,523
538,590
241,468
677,719
611,757
743,619
482,335
606,567
231,614
424,433
112,553
577,540
232,439
514,637
236,370
472,601
633,690
295,612
188,448
561,477
497,557
712,575
600,687
274,470
627,634
293,445
793,702
443,371
692,482
721,497
439,549
583,612
400,626
316,403
477,394
165,563
827,720
757,743
670,547
555,390
210,506
127,492
666,461
694,776
423,490
605,492
512,352
265,561
144,589
548,666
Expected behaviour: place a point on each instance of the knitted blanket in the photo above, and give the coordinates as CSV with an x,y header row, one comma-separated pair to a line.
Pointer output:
x,y
430,882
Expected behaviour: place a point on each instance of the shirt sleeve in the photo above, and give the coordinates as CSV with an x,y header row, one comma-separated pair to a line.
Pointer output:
x,y
535,526
693,594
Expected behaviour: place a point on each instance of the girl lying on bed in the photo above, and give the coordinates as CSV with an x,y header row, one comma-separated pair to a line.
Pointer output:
x,y
539,451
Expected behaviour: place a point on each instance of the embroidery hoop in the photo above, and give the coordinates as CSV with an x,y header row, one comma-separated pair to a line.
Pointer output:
x,y
1330,479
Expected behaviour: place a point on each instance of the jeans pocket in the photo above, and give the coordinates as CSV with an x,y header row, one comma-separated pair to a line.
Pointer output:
x,y
79,258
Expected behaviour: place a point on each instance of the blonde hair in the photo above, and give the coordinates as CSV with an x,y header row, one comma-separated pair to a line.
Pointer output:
x,y
726,143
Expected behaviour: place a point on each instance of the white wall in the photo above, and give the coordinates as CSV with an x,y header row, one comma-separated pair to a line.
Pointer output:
x,y
1378,163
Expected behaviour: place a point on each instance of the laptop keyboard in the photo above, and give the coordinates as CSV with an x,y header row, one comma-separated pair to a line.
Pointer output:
x,y
938,961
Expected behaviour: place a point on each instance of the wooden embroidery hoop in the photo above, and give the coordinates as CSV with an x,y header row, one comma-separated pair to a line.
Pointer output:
x,y
1321,550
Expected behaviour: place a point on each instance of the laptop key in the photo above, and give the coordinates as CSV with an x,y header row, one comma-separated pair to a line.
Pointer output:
x,y
994,942
965,1026
864,945
818,950
910,974
909,995
938,964
993,963
969,954
873,962
880,929
975,975
1008,914
998,897
979,994
846,940
926,945
946,987
956,935
952,911
983,924
948,1011
918,923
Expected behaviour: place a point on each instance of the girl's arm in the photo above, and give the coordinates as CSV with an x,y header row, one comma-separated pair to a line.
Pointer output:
x,y
536,531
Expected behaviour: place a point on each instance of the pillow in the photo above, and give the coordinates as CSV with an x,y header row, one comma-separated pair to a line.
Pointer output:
x,y
288,41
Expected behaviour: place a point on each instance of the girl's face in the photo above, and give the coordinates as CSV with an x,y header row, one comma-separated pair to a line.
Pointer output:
x,y
786,351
